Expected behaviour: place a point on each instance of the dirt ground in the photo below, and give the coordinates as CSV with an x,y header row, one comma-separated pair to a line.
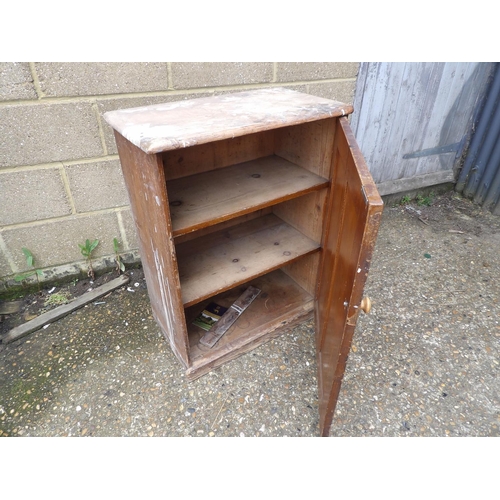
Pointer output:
x,y
49,297
425,362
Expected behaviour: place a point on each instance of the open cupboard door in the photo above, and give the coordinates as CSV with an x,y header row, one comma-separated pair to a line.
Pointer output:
x,y
354,214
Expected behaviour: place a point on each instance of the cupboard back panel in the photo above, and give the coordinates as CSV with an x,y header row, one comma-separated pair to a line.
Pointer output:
x,y
219,154
308,145
228,224
305,213
305,272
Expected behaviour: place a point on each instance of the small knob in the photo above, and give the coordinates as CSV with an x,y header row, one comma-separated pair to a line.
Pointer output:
x,y
366,305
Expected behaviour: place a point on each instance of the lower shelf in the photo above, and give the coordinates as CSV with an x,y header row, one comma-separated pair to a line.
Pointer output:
x,y
281,303
222,260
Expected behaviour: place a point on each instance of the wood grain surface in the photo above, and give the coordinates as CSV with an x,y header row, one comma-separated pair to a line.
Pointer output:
x,y
351,228
180,124
222,260
215,196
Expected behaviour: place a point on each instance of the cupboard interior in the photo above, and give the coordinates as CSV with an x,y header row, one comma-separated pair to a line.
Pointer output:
x,y
272,241
281,302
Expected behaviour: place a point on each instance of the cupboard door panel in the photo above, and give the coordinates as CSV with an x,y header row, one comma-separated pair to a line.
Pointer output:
x,y
353,218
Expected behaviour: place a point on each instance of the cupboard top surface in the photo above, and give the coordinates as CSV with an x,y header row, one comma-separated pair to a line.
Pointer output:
x,y
180,124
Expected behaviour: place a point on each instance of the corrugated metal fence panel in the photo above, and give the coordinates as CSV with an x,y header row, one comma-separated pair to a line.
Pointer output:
x,y
480,176
412,120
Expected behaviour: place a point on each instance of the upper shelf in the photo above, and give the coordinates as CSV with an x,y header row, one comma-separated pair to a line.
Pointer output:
x,y
215,196
180,124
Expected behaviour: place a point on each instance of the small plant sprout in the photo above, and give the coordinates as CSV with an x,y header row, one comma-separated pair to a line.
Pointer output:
x,y
87,250
120,266
425,200
30,261
405,200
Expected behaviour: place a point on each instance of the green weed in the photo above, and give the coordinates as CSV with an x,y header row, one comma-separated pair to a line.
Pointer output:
x,y
30,261
86,251
120,266
425,200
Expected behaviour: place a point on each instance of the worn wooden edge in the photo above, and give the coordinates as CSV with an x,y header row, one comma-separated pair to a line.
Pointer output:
x,y
368,185
156,119
10,307
61,311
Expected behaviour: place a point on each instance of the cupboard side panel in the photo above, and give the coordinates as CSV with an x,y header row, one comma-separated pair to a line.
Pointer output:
x,y
305,214
308,145
305,272
145,181
354,218
228,224
219,154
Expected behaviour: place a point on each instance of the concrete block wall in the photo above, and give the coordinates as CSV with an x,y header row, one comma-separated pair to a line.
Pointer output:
x,y
60,177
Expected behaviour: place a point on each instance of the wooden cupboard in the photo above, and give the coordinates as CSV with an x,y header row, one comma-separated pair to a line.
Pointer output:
x,y
266,188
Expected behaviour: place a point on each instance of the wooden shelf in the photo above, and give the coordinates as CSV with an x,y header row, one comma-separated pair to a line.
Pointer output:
x,y
281,303
212,197
219,261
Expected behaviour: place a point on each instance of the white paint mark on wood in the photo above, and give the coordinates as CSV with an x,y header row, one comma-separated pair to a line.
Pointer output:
x,y
181,124
166,300
161,281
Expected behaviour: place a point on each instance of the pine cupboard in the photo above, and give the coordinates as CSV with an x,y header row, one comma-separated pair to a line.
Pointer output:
x,y
264,188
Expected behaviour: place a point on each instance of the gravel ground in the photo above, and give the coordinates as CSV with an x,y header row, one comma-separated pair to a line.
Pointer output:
x,y
425,362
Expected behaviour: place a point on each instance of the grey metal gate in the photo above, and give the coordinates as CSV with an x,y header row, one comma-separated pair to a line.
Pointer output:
x,y
479,177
